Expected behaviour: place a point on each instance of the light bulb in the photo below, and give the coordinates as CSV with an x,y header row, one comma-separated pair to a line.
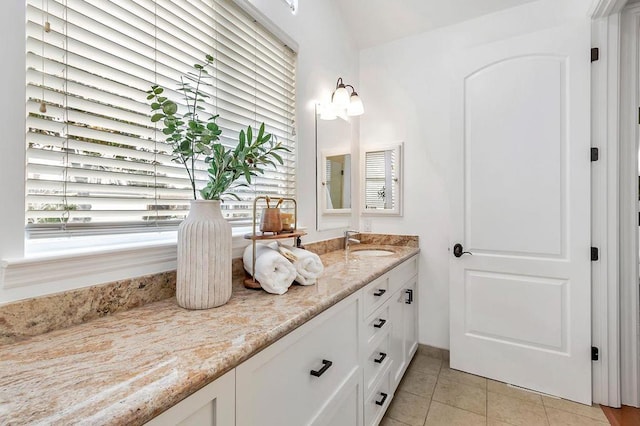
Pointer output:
x,y
355,105
340,98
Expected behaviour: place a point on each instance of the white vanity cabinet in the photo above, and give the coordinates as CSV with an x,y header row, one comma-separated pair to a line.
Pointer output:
x,y
310,377
341,368
213,405
390,335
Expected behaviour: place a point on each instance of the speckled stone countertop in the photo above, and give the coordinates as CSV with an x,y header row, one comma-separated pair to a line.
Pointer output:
x,y
129,367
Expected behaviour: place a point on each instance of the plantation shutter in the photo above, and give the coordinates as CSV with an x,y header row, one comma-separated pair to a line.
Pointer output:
x,y
95,162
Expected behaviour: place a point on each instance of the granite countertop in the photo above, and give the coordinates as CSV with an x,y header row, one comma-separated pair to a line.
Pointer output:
x,y
129,367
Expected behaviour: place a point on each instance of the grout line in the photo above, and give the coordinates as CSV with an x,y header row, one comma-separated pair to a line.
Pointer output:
x,y
431,397
402,423
486,401
546,415
426,416
501,421
573,412
458,408
486,417
432,393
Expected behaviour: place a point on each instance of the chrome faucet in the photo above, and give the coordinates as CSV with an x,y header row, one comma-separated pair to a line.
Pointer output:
x,y
348,239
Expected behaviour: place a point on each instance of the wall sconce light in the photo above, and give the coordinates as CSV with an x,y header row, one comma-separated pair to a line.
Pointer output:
x,y
341,99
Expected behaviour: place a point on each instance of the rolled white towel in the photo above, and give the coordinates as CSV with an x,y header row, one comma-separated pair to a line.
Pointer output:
x,y
273,271
308,265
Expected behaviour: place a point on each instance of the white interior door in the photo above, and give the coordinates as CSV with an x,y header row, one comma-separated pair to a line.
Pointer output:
x,y
520,305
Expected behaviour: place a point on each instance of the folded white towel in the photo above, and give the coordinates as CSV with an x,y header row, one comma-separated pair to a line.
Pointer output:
x,y
308,265
273,271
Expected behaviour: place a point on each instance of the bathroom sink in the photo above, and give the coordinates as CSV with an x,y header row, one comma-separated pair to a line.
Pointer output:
x,y
372,253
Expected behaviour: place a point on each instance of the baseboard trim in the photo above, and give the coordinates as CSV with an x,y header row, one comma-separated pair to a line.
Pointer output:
x,y
433,352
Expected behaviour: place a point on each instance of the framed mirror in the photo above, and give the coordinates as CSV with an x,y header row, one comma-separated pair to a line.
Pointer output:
x,y
335,196
334,177
382,180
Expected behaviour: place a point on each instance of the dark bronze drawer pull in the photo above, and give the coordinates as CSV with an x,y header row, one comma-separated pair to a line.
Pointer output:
x,y
325,366
381,323
410,299
384,398
380,292
381,359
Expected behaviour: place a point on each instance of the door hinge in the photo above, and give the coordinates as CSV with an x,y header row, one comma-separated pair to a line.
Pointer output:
x,y
595,154
595,54
595,353
594,253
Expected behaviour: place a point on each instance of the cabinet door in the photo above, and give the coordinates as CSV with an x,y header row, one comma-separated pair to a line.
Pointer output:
x,y
410,319
404,334
345,407
396,314
295,380
213,405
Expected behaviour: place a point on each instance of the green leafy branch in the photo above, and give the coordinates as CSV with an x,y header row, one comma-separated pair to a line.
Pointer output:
x,y
247,159
190,137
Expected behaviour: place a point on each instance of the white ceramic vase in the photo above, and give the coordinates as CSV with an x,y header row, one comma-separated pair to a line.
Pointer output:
x,y
204,257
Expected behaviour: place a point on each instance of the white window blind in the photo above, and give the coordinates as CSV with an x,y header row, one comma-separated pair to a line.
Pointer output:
x,y
380,176
95,162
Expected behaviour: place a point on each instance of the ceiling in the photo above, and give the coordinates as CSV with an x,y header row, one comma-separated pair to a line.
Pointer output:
x,y
375,22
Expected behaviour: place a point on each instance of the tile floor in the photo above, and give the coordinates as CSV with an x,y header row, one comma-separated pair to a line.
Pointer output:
x,y
431,394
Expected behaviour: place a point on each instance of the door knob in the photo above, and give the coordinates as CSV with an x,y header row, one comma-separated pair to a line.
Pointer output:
x,y
458,250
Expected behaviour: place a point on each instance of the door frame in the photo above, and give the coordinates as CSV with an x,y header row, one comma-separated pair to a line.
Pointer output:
x,y
614,221
629,133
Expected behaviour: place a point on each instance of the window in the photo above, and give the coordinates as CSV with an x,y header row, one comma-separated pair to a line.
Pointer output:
x,y
95,162
380,176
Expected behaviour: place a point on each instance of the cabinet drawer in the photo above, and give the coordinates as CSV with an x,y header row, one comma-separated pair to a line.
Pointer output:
x,y
212,405
375,294
377,402
345,408
376,362
376,325
291,381
402,273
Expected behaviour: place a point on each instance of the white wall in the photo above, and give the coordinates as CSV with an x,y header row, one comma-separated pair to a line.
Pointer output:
x,y
12,123
406,87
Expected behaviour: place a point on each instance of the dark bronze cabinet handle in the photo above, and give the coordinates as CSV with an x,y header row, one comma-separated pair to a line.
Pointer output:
x,y
381,323
325,366
380,292
381,359
384,398
410,299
